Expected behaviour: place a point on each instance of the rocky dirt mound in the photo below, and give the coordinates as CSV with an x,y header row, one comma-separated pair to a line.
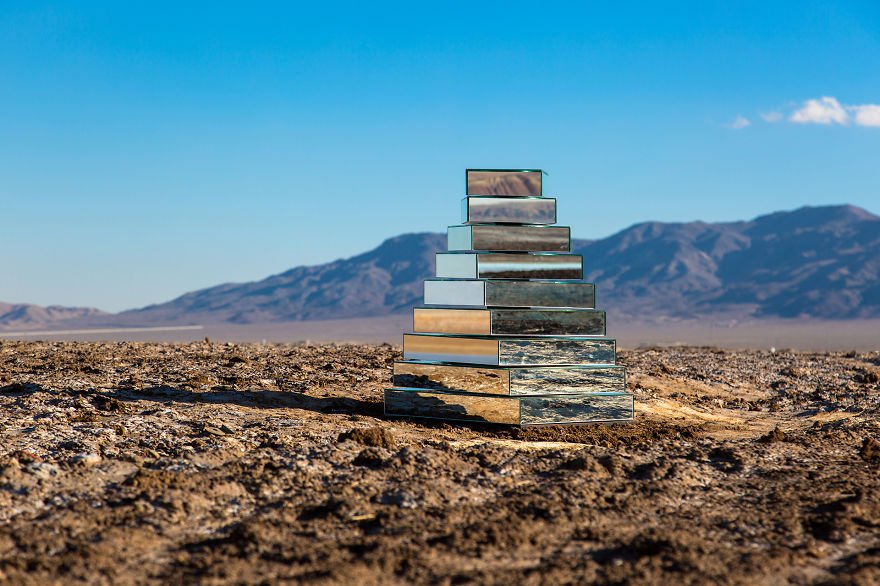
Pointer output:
x,y
216,463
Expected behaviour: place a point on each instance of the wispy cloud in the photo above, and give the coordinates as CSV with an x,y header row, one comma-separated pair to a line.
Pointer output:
x,y
828,110
825,110
738,123
866,115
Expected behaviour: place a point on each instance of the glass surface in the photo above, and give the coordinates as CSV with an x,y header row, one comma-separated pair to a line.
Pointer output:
x,y
440,292
509,238
452,321
508,210
554,409
475,379
510,182
548,322
579,409
508,351
557,351
490,265
543,380
530,266
434,405
510,321
517,380
502,293
540,294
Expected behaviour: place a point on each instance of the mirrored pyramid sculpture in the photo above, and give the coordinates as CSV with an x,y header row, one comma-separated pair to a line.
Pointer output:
x,y
509,333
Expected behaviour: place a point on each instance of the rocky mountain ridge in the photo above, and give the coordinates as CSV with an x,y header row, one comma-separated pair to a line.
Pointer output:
x,y
817,262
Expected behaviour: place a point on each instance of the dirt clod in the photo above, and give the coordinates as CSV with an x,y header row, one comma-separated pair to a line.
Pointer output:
x,y
376,437
870,450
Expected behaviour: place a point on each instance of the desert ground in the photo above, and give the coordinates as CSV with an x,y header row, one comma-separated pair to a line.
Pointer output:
x,y
219,463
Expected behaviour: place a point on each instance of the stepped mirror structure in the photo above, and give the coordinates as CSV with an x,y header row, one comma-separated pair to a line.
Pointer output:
x,y
509,332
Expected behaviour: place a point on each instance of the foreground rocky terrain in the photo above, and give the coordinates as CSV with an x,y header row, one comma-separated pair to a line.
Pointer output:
x,y
217,463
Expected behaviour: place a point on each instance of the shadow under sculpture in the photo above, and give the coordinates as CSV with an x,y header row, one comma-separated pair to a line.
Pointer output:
x,y
509,332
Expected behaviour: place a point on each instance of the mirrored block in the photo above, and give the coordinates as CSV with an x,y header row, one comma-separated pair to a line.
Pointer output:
x,y
508,351
510,182
550,351
491,265
540,410
520,380
510,321
502,293
508,210
509,238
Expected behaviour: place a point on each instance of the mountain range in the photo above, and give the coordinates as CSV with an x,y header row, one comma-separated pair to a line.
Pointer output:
x,y
816,262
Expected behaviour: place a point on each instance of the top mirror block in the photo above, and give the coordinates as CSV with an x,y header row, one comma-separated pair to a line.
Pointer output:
x,y
504,182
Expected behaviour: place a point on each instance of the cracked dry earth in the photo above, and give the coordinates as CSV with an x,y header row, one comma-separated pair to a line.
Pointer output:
x,y
216,463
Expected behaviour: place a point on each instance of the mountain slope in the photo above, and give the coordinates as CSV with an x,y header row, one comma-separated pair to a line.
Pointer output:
x,y
27,316
382,281
820,262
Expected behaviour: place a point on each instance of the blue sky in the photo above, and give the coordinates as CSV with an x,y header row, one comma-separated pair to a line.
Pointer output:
x,y
150,148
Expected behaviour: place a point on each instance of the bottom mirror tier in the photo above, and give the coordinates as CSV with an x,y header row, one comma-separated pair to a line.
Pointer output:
x,y
534,410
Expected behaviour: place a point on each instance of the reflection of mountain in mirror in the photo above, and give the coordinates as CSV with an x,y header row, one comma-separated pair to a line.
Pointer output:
x,y
508,182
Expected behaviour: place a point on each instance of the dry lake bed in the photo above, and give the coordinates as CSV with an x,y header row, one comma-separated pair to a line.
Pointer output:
x,y
224,463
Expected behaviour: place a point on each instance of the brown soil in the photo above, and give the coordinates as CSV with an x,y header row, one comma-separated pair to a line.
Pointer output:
x,y
213,463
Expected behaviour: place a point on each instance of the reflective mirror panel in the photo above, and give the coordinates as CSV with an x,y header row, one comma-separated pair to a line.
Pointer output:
x,y
508,351
508,182
488,265
579,409
450,349
548,322
519,381
452,321
553,409
507,210
442,292
540,294
529,266
557,351
510,321
501,293
543,380
434,405
475,379
509,238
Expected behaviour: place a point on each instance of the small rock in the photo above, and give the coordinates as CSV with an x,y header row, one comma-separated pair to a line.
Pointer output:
x,y
87,460
870,451
777,435
376,437
105,403
369,458
42,470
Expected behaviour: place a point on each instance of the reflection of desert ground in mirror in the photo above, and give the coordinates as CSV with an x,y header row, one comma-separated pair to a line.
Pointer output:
x,y
521,238
213,462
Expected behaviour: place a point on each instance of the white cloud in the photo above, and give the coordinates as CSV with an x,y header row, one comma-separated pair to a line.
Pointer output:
x,y
866,114
738,123
771,117
825,110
